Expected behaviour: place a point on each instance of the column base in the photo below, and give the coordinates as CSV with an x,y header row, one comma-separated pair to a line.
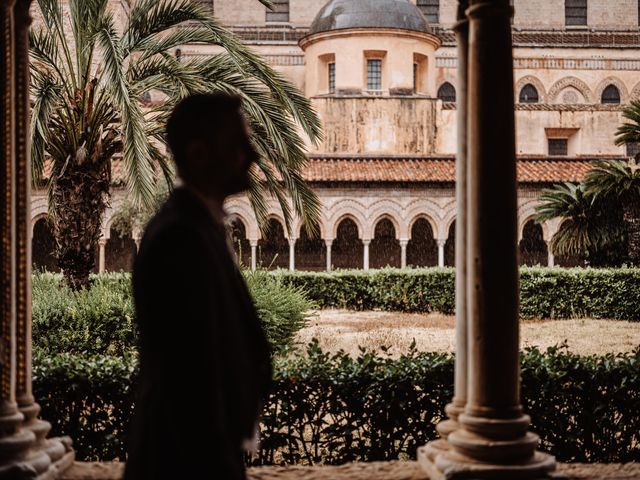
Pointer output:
x,y
453,466
46,462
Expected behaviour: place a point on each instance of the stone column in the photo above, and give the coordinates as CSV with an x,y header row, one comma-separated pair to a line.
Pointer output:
x,y
102,247
254,254
138,240
428,454
328,243
441,244
18,457
13,439
366,244
551,259
492,440
292,254
403,252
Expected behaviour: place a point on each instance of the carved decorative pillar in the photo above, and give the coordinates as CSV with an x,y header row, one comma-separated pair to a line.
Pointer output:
x,y
427,454
403,252
551,259
366,244
492,440
441,244
328,243
24,451
11,436
292,254
102,247
254,254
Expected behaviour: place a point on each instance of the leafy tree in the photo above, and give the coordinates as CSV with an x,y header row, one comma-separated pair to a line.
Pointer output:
x,y
88,78
590,228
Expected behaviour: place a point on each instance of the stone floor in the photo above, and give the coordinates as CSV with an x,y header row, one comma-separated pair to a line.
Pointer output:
x,y
363,471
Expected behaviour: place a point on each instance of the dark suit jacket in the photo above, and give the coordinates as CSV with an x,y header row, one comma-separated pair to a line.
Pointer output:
x,y
204,361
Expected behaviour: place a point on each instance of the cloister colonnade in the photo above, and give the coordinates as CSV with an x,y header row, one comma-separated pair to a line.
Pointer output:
x,y
487,432
416,229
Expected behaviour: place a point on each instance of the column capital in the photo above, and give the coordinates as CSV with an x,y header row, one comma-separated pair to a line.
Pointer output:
x,y
102,242
328,242
253,242
366,241
404,242
441,242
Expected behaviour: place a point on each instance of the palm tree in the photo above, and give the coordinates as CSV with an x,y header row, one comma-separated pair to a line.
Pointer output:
x,y
88,76
622,180
590,228
617,181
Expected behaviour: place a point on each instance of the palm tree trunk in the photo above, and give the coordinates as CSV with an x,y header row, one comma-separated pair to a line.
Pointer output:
x,y
80,199
631,216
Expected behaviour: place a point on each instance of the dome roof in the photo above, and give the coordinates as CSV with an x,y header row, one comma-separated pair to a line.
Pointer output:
x,y
341,14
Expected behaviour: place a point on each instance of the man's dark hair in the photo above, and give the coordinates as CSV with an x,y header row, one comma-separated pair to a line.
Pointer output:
x,y
196,118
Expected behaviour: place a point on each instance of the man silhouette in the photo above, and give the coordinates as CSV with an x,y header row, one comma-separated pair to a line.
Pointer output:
x,y
204,360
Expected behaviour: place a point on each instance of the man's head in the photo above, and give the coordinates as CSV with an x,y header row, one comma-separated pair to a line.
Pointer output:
x,y
209,139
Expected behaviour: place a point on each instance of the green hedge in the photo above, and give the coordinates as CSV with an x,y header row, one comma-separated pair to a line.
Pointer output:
x,y
545,292
100,320
337,409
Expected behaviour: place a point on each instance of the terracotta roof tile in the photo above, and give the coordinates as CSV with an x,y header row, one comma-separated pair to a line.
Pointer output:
x,y
434,170
407,169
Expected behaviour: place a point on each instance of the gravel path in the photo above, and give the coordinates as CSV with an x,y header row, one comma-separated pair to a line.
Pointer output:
x,y
361,471
343,329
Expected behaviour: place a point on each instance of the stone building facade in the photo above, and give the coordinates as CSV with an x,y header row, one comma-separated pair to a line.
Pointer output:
x,y
382,76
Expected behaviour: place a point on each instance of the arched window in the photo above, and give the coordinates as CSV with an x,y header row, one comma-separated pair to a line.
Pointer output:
x,y
611,94
447,92
529,94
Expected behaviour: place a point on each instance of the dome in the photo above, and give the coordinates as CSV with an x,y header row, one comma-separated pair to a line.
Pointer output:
x,y
341,14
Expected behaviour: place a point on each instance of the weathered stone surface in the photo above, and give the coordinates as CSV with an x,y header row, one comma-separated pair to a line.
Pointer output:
x,y
362,471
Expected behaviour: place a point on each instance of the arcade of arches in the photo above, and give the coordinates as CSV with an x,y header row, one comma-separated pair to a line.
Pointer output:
x,y
274,248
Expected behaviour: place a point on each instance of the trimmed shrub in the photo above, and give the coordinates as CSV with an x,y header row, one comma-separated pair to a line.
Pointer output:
x,y
97,321
283,308
100,320
336,409
544,292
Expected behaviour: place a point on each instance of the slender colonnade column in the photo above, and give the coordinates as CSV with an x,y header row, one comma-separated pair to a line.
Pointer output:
x,y
403,252
493,439
427,454
254,254
441,244
102,247
292,254
10,418
24,451
366,244
328,243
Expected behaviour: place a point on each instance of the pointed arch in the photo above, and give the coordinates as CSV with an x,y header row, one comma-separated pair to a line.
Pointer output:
x,y
617,83
536,83
574,82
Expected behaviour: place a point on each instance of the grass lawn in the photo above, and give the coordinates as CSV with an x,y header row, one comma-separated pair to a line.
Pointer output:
x,y
343,329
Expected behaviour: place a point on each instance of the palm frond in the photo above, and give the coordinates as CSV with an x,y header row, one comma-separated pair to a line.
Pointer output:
x,y
613,178
45,92
629,131
588,223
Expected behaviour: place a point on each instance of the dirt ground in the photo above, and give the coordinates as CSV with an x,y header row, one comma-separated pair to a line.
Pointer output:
x,y
343,329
